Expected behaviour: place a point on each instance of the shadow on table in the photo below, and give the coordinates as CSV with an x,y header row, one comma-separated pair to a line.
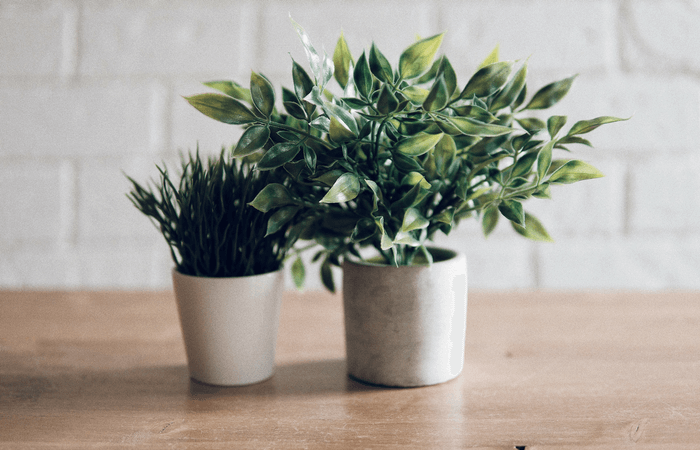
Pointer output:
x,y
307,378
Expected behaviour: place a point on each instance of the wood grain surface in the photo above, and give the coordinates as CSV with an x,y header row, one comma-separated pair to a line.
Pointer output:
x,y
543,370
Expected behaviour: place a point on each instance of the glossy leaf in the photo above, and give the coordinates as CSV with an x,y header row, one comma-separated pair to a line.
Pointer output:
x,y
418,58
405,163
446,216
262,93
554,124
302,81
511,90
473,127
278,155
532,229
438,97
309,158
544,160
321,66
222,108
386,242
272,196
254,138
414,178
551,94
415,94
492,58
387,102
575,140
413,220
379,65
586,126
487,80
418,144
513,211
524,165
342,60
444,153
232,89
343,116
339,133
345,188
573,171
280,218
532,124
449,74
364,229
363,77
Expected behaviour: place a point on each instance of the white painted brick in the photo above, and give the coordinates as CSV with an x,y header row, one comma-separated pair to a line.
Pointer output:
x,y
96,119
563,36
665,111
38,268
31,38
504,260
118,264
392,25
189,37
30,202
591,207
637,263
662,36
665,195
104,210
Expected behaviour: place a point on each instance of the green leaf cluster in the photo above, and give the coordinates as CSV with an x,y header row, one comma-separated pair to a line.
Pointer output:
x,y
394,155
204,215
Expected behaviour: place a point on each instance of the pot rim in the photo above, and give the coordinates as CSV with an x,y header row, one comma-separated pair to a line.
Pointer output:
x,y
175,271
445,255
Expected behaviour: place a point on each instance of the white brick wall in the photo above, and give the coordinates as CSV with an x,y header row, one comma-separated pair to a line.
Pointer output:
x,y
91,88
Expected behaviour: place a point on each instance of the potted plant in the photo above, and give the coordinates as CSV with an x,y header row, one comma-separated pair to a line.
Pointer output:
x,y
228,257
387,159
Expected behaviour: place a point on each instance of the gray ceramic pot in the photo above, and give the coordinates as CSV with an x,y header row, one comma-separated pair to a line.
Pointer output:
x,y
405,326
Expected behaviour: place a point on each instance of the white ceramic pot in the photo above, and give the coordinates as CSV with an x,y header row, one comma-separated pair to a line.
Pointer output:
x,y
405,326
229,326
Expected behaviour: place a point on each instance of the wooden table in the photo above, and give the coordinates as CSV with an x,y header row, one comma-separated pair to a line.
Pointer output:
x,y
543,371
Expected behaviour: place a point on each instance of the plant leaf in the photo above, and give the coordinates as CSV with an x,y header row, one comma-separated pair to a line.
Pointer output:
x,y
278,155
387,102
302,81
544,160
364,229
232,89
342,59
438,97
339,133
321,67
327,275
254,138
222,108
343,116
413,220
444,153
532,229
363,77
263,94
473,127
487,80
298,273
586,126
551,94
511,90
345,188
274,195
573,171
492,58
379,65
554,124
489,220
523,165
280,218
418,58
418,144
513,211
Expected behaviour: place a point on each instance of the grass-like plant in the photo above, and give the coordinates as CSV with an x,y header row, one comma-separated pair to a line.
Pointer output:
x,y
394,154
203,214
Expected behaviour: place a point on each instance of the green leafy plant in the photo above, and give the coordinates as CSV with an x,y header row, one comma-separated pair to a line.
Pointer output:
x,y
206,220
392,155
